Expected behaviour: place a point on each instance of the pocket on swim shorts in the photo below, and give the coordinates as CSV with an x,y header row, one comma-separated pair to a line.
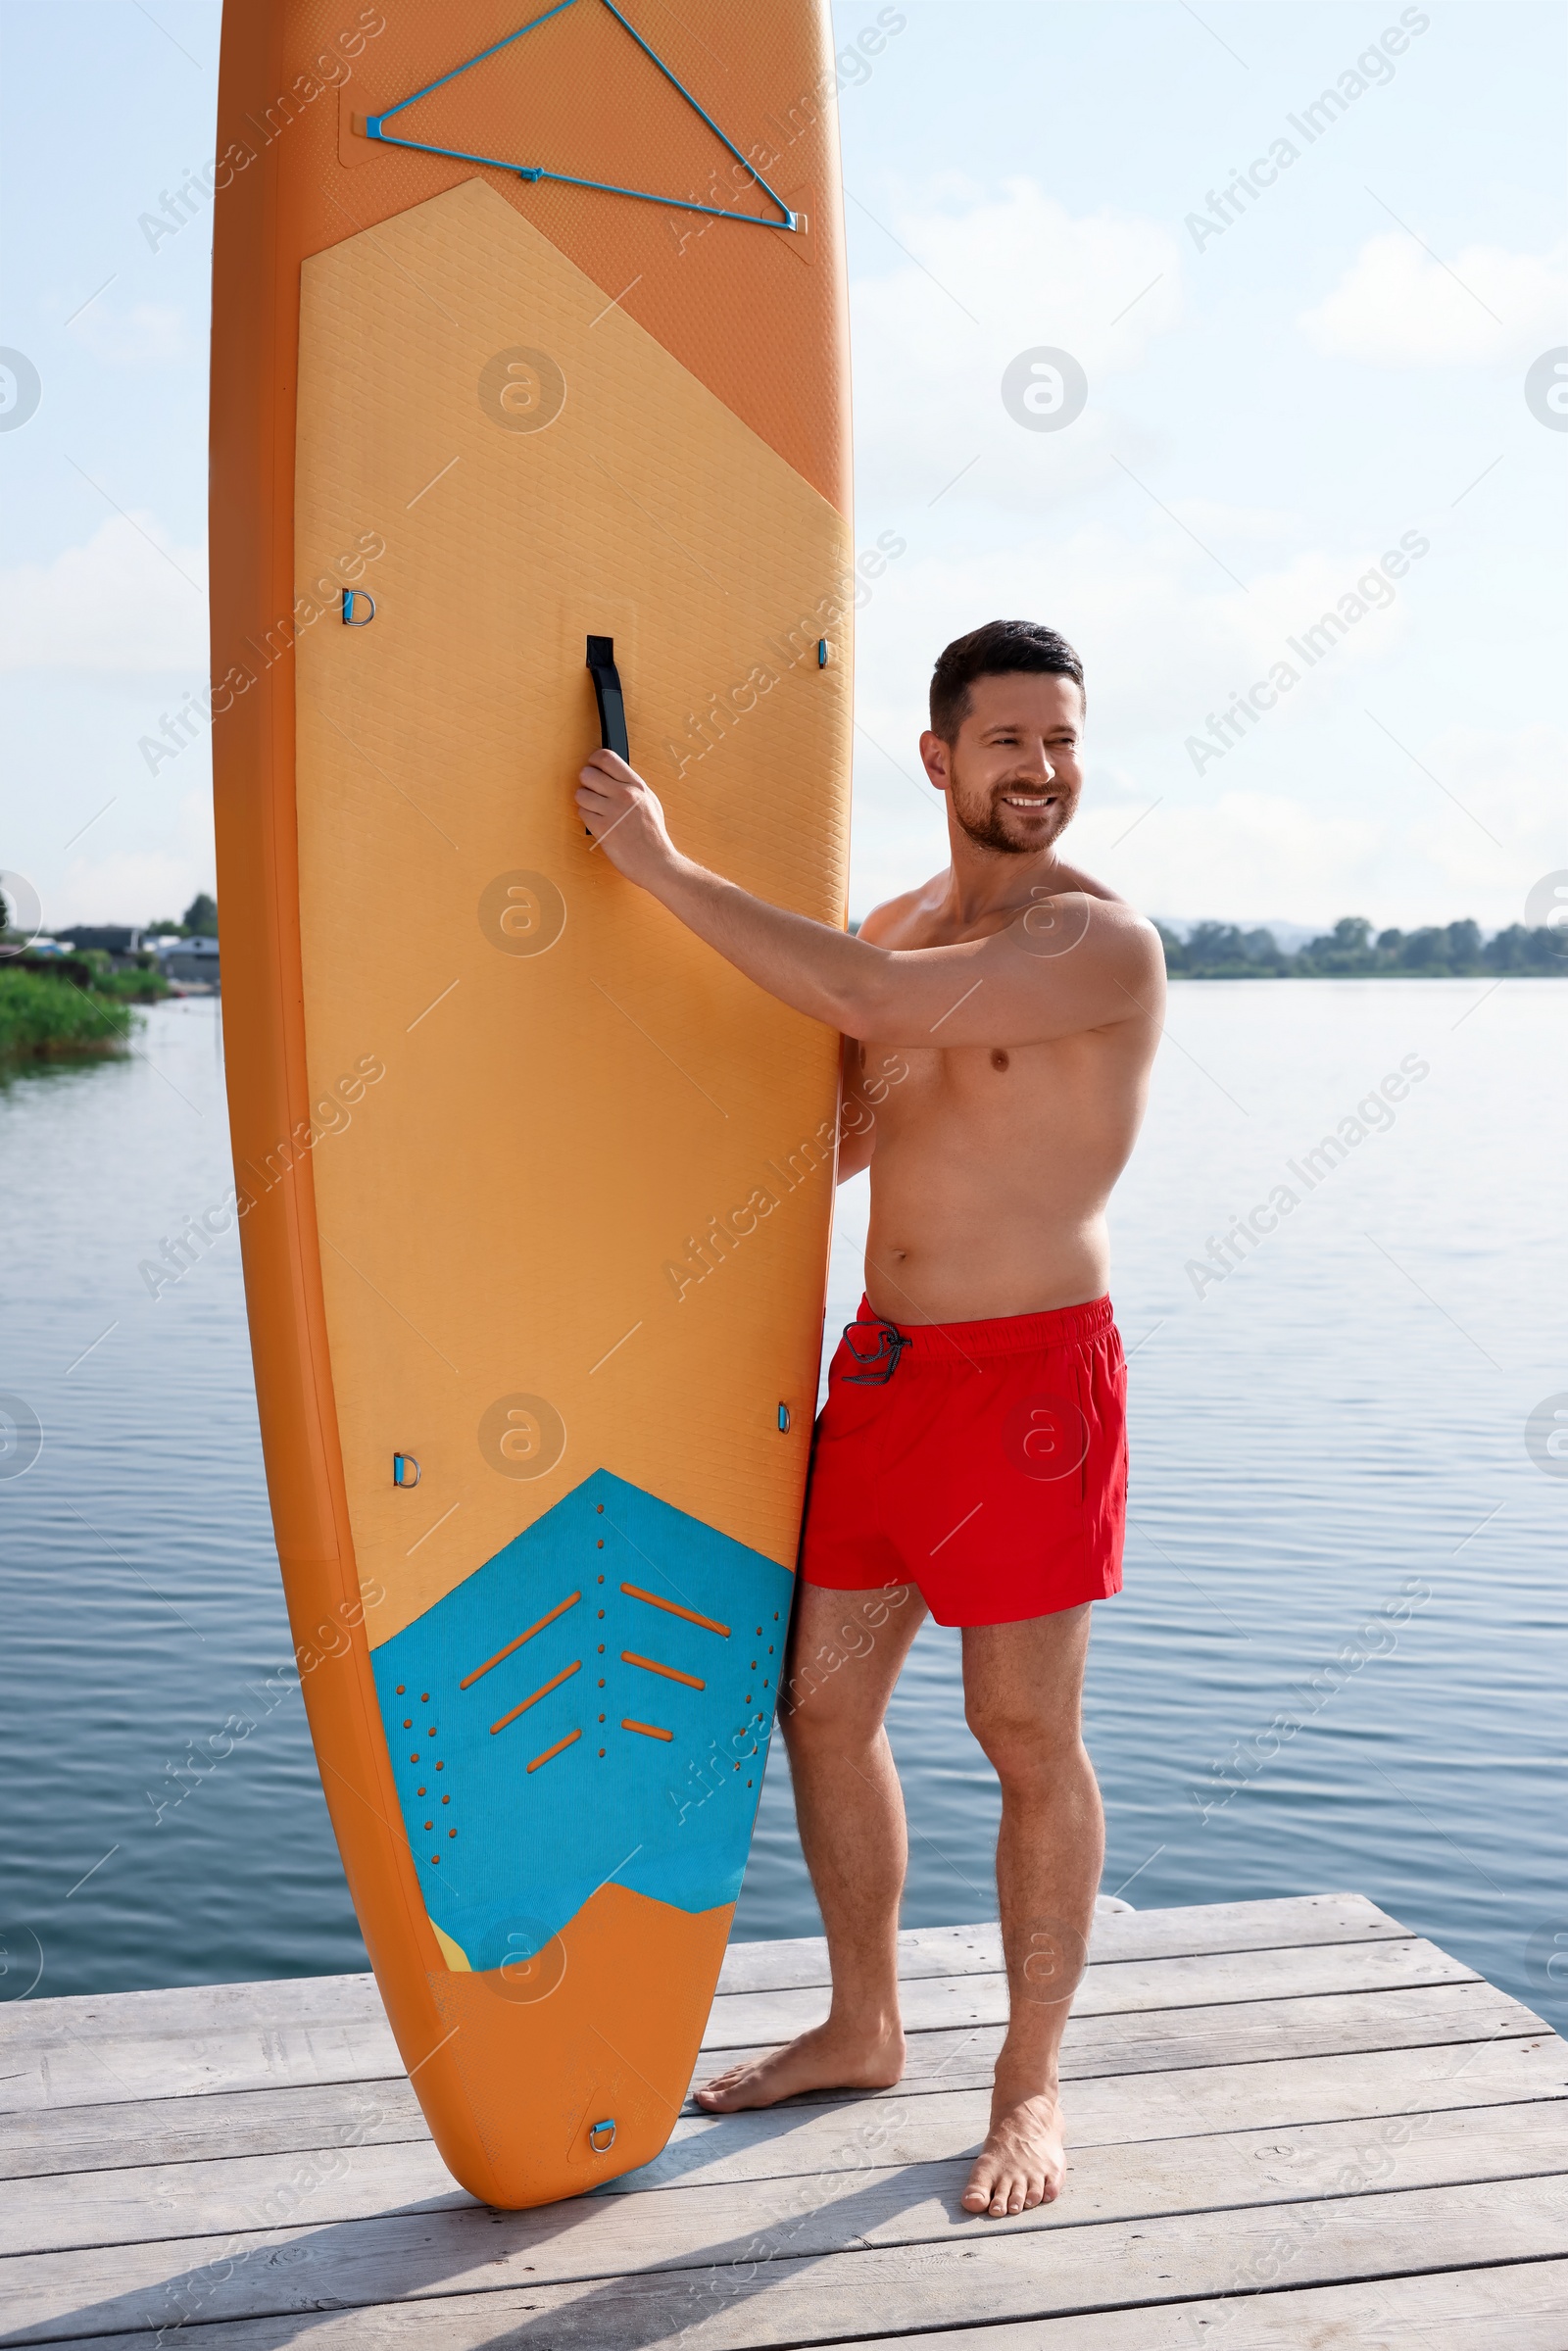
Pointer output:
x,y
1048,1427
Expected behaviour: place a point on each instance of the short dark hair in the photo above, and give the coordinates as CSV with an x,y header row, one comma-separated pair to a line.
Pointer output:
x,y
999,649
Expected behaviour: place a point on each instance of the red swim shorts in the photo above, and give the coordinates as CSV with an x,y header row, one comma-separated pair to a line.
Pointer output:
x,y
985,1462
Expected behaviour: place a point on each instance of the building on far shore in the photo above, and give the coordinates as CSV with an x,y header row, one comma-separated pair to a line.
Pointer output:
x,y
190,964
118,939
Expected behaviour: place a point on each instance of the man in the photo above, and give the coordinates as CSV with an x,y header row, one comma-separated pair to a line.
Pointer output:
x,y
973,1442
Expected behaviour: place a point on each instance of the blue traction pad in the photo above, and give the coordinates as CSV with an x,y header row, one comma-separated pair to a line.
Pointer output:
x,y
545,1657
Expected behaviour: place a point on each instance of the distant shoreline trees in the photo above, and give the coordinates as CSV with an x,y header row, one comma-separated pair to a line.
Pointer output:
x,y
1223,951
199,920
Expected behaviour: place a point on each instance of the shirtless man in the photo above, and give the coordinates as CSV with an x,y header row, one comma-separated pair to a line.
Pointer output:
x,y
973,1442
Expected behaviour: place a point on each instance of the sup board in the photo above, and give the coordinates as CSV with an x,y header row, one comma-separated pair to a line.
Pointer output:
x,y
529,433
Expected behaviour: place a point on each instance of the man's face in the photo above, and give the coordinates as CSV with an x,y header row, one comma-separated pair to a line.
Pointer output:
x,y
1013,777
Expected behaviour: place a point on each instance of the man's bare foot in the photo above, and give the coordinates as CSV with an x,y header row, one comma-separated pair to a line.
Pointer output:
x,y
831,2056
1023,2161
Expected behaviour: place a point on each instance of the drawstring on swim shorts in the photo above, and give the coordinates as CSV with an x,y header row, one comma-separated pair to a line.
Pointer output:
x,y
878,1367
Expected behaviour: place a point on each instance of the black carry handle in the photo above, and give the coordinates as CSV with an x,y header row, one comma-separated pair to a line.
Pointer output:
x,y
607,695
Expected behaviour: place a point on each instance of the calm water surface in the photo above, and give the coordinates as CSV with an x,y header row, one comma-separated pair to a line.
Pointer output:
x,y
1339,1660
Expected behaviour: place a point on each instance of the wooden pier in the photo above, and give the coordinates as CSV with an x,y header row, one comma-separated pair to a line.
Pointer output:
x,y
1293,2125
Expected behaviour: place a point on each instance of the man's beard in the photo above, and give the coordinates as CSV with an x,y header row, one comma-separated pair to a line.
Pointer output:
x,y
989,831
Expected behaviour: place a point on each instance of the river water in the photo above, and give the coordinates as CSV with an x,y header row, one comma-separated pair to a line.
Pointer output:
x,y
1338,1661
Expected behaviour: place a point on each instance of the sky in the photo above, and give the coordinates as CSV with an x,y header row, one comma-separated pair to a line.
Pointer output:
x,y
1097,382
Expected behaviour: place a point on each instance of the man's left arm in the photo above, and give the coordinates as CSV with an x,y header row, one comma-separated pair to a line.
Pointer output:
x,y
1074,963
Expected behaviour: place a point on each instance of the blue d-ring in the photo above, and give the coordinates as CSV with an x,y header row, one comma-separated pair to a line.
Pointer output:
x,y
349,594
600,2144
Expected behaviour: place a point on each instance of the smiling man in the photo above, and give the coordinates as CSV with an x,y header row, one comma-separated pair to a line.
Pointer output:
x,y
971,1457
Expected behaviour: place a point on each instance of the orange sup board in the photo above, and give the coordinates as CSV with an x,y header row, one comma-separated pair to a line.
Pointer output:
x,y
529,422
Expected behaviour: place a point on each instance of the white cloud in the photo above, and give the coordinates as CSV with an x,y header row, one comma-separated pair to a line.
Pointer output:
x,y
149,334
1031,273
1397,307
1313,814
138,885
1244,846
120,603
1379,838
993,278
1164,637
1212,518
1495,811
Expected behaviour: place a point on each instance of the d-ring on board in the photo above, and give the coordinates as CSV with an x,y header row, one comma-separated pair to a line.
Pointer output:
x,y
371,127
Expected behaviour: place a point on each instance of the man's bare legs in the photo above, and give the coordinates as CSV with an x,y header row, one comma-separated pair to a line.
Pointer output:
x,y
847,1650
1022,1689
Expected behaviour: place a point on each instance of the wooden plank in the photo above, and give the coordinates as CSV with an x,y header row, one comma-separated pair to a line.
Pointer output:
x,y
176,2201
772,2279
781,2140
448,2244
802,1960
63,2077
1519,2309
1249,2033
73,2069
1118,1934
310,2002
320,2003
784,2140
250,2122
717,2154
1515,2309
928,2002
306,2002
163,2054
